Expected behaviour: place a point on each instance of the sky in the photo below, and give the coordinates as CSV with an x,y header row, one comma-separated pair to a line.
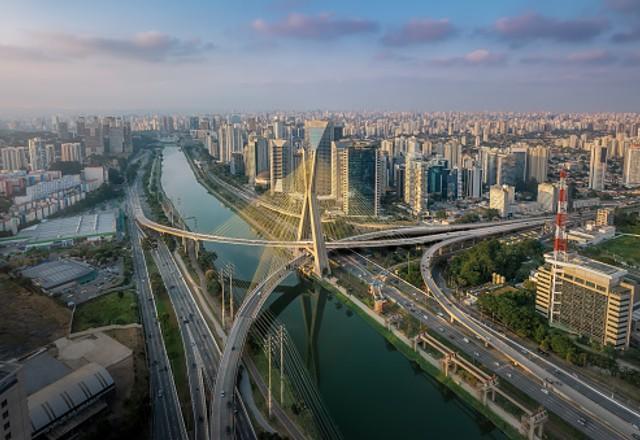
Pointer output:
x,y
374,55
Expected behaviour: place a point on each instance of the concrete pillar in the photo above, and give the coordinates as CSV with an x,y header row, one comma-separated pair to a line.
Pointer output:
x,y
196,248
185,243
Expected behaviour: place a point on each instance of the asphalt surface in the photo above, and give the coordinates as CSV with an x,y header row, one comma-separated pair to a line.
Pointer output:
x,y
201,348
222,423
167,421
414,301
619,418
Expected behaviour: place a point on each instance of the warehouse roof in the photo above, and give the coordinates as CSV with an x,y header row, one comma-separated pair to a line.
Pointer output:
x,y
55,401
68,228
56,273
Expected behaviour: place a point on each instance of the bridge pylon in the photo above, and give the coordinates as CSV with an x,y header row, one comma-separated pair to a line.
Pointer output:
x,y
310,226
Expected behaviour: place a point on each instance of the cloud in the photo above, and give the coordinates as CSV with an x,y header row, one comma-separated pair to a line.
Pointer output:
x,y
319,27
532,26
478,57
420,31
624,6
594,57
632,59
630,36
145,46
21,53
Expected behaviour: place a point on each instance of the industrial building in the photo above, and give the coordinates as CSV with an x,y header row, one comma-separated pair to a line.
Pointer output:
x,y
54,274
587,297
65,231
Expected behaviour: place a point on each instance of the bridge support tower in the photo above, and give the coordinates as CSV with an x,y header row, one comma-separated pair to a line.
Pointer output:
x,y
310,226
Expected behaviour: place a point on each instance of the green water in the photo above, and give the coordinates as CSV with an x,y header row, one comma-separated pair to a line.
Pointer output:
x,y
371,390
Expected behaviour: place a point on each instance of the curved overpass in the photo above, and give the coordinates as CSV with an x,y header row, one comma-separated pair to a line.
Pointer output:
x,y
619,421
221,420
367,240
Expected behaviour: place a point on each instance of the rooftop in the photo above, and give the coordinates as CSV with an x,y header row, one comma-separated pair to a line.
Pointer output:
x,y
102,223
56,273
589,264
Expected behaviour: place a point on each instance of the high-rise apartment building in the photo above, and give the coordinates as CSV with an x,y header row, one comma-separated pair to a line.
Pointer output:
x,y
416,178
281,166
631,170
71,152
588,297
37,154
256,157
14,158
93,137
538,163
597,167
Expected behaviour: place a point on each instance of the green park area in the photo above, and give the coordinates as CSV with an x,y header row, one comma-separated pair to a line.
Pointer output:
x,y
117,308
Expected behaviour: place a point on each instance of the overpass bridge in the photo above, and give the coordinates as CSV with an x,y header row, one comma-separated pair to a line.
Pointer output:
x,y
617,417
224,396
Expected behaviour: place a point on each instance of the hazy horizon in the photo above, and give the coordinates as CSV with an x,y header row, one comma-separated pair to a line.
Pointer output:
x,y
195,56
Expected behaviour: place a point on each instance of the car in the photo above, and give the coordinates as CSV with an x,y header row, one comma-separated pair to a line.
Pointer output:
x,y
635,436
496,363
441,329
544,391
222,394
476,354
582,421
160,393
466,340
425,317
509,375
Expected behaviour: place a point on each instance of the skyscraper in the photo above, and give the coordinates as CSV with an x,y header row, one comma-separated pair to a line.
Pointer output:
x,y
361,180
597,167
631,171
317,137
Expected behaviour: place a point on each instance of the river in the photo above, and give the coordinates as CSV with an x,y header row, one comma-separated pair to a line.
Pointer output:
x,y
371,390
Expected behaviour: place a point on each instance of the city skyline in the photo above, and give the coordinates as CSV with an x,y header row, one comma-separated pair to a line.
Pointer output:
x,y
302,55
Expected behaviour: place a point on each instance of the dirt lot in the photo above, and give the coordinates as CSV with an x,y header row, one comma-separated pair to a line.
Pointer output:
x,y
28,320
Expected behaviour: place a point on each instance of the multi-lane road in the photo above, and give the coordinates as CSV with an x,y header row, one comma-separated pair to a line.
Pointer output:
x,y
167,421
619,418
424,309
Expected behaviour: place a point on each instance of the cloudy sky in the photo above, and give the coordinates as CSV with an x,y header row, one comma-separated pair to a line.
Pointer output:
x,y
209,55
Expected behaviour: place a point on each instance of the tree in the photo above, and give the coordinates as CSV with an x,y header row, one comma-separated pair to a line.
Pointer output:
x,y
70,167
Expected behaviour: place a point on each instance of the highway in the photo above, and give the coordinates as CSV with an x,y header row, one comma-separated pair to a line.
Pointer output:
x,y
420,306
192,342
222,409
615,415
167,421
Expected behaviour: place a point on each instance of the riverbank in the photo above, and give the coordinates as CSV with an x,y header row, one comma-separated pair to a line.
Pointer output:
x,y
427,363
378,377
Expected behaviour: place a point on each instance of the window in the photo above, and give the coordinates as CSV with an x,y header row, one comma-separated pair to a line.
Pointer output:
x,y
5,415
3,404
7,426
8,436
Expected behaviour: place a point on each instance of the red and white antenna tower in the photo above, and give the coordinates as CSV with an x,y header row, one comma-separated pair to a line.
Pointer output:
x,y
560,243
